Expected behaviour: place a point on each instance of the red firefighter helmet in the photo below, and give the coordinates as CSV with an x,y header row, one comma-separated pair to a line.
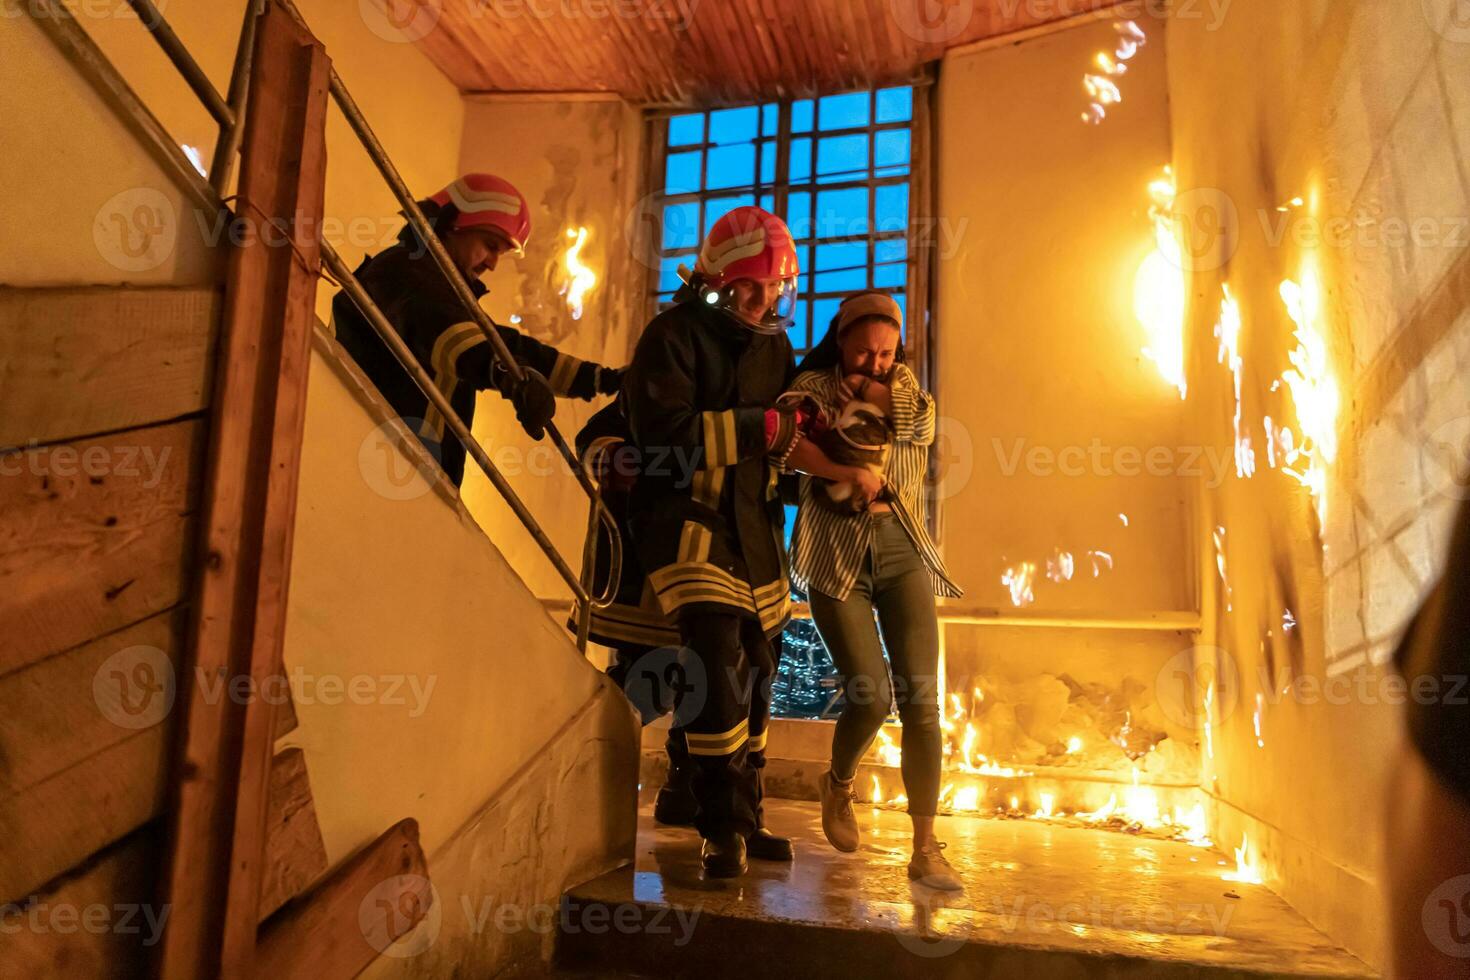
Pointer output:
x,y
487,201
749,243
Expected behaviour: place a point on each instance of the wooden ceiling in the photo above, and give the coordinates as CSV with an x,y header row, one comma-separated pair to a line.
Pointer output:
x,y
706,52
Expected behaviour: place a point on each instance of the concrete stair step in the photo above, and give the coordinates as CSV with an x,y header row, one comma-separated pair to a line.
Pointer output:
x,y
1041,901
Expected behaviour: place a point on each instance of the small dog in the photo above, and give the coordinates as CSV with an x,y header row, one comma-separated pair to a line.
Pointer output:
x,y
861,436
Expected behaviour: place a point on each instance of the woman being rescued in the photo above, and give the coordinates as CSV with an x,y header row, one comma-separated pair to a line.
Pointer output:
x,y
860,548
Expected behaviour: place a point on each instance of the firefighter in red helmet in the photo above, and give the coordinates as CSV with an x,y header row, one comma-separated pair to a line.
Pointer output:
x,y
705,514
479,217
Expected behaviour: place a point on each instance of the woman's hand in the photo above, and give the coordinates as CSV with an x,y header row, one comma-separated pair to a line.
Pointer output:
x,y
864,388
867,485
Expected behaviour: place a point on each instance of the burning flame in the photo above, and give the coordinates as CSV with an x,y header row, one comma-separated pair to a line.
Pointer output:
x,y
1228,332
966,799
1313,390
1101,88
877,790
1019,580
1048,801
1104,812
1219,538
1256,720
1159,288
1059,567
1141,804
580,277
1074,745
1246,867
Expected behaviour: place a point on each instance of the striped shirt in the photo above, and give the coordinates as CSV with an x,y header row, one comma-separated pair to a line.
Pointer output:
x,y
827,548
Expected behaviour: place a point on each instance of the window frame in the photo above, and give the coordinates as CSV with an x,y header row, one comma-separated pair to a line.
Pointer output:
x,y
919,250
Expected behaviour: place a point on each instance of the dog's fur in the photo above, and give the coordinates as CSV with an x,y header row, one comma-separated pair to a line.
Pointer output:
x,y
861,436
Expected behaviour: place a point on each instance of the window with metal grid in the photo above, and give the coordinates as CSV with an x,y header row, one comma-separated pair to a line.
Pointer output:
x,y
836,168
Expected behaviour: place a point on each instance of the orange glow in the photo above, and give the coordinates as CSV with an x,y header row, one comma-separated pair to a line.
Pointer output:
x,y
1313,389
1159,288
1247,867
580,277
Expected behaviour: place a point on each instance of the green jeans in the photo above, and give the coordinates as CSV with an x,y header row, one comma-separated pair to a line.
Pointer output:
x,y
895,584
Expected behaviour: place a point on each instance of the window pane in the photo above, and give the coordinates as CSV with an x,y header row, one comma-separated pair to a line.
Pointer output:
x,y
768,202
843,255
681,226
895,104
798,214
891,148
686,130
823,310
804,263
734,125
681,173
770,119
843,155
768,162
891,276
717,207
890,250
801,116
668,272
842,214
891,210
801,160
798,334
846,282
730,166
843,111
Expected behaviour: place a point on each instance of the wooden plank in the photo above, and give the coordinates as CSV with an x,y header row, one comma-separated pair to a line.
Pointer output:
x,y
100,921
58,823
322,935
216,865
295,854
74,362
59,712
94,535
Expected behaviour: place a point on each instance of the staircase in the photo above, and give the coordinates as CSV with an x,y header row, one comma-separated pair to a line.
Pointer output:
x,y
1041,901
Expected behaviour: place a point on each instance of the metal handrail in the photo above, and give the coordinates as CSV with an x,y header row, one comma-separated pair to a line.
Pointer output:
x,y
62,27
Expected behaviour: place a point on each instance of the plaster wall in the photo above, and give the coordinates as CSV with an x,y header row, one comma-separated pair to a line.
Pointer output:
x,y
577,162
1360,110
75,158
1050,409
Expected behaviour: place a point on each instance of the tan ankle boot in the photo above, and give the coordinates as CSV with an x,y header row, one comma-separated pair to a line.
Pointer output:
x,y
929,867
839,823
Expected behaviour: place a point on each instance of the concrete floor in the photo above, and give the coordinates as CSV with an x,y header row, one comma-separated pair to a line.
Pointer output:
x,y
1041,901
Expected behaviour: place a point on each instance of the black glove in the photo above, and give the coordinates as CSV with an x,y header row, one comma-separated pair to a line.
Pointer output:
x,y
610,380
534,401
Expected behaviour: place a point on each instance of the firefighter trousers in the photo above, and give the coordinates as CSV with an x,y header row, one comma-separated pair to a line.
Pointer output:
x,y
731,670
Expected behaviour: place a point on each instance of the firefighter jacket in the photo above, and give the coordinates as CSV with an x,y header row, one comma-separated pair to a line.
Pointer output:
x,y
410,289
706,515
634,618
